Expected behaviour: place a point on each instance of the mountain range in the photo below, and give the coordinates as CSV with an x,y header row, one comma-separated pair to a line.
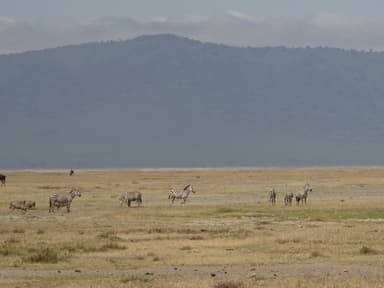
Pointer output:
x,y
169,101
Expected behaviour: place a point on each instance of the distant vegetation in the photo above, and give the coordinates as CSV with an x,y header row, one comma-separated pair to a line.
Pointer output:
x,y
170,101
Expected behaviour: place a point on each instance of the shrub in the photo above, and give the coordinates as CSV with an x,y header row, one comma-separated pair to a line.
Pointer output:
x,y
367,250
45,255
229,284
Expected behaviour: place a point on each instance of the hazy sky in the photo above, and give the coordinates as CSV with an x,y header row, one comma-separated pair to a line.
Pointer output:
x,y
36,24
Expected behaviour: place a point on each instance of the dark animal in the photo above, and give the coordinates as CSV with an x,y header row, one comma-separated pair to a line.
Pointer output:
x,y
71,172
18,205
129,197
2,179
30,204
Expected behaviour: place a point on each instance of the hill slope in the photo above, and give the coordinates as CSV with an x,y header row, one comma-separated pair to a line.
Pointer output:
x,y
169,101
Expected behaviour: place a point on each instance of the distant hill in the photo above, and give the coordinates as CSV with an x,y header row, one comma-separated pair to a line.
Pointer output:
x,y
167,101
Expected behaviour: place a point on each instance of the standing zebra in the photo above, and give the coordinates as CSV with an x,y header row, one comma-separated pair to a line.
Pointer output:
x,y
58,201
272,197
288,199
303,196
128,197
172,195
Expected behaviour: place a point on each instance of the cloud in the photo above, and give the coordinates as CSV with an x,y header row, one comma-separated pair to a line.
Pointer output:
x,y
238,15
333,21
232,28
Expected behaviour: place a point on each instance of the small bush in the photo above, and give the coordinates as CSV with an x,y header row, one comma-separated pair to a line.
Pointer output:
x,y
112,246
7,249
134,278
186,248
315,254
197,237
11,240
18,230
367,250
45,255
40,231
229,284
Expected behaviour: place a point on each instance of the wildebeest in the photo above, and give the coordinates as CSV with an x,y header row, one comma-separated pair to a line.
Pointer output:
x,y
272,196
22,205
58,201
71,172
303,196
2,178
288,199
129,197
172,195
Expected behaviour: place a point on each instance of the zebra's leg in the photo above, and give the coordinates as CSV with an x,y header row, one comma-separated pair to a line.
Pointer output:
x,y
129,203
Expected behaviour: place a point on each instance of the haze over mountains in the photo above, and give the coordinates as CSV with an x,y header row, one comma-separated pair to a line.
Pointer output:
x,y
167,101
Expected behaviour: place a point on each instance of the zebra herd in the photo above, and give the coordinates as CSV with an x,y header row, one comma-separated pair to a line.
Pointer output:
x,y
300,197
65,200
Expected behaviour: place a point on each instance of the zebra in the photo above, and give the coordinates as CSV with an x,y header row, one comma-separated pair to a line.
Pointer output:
x,y
303,196
272,197
58,201
172,195
128,197
288,199
2,179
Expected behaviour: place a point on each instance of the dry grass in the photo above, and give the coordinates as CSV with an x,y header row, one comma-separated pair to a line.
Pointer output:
x,y
227,222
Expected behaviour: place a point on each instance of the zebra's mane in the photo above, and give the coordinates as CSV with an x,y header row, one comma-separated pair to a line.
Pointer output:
x,y
186,187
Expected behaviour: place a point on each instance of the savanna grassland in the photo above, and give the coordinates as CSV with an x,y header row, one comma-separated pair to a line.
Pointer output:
x,y
227,234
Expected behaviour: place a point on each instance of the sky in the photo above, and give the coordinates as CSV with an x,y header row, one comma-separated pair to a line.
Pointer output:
x,y
348,24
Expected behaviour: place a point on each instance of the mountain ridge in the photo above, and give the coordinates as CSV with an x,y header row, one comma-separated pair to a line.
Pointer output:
x,y
164,100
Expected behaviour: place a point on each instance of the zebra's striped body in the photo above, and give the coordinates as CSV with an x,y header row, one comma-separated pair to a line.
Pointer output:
x,y
56,200
129,197
272,196
288,199
303,196
183,195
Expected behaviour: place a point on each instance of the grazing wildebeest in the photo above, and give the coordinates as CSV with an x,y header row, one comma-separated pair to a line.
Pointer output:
x,y
58,201
288,199
272,196
20,204
172,195
30,204
303,196
129,197
2,178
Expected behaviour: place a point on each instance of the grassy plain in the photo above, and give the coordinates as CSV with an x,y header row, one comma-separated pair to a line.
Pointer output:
x,y
227,235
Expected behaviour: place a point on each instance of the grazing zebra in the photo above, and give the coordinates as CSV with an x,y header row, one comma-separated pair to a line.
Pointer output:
x,y
303,196
128,197
58,201
2,179
172,195
288,199
272,196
